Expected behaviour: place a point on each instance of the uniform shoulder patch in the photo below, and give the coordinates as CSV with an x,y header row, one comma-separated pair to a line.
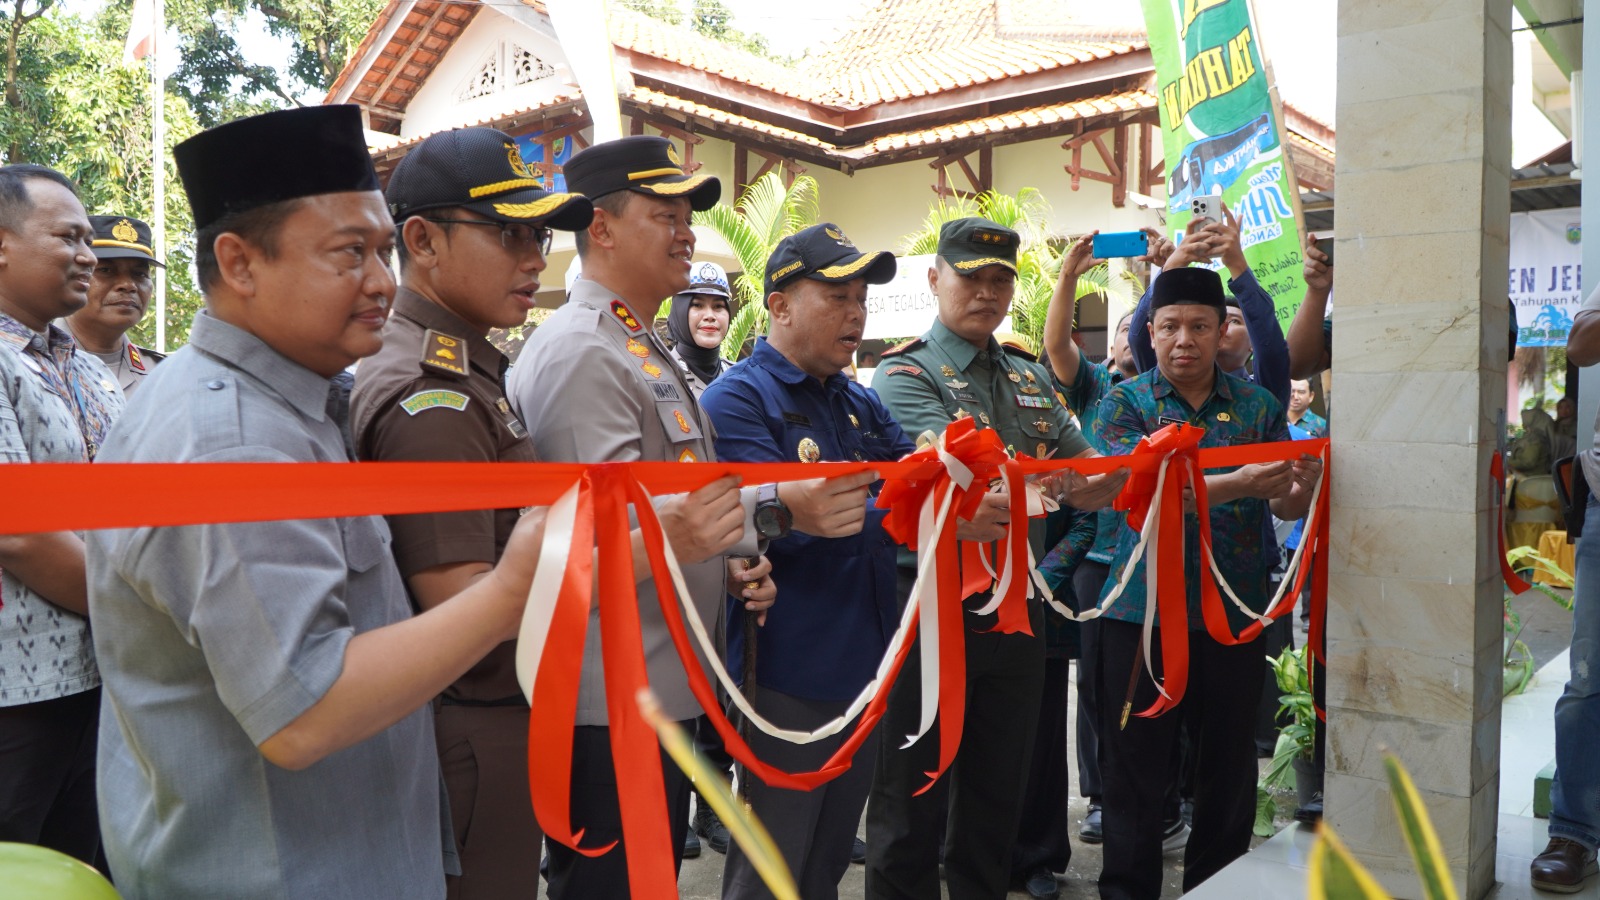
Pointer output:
x,y
903,370
444,352
435,399
901,348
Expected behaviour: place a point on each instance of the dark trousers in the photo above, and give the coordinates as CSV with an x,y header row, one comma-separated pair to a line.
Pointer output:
x,y
1044,834
47,753
1223,694
815,830
574,876
982,791
483,752
1088,580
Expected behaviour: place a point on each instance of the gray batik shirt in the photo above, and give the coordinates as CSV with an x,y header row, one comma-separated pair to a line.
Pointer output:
x,y
212,638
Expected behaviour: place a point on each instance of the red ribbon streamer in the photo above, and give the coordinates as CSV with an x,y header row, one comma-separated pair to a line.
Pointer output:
x,y
65,496
1497,474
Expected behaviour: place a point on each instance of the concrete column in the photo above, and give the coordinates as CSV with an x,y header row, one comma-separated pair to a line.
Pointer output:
x,y
1589,139
1424,118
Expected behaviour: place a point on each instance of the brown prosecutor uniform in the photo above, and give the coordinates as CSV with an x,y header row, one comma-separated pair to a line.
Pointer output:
x,y
435,392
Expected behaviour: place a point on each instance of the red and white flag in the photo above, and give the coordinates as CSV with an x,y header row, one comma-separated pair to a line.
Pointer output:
x,y
141,32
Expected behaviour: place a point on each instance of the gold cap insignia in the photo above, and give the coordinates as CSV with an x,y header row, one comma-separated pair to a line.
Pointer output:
x,y
673,157
125,232
514,156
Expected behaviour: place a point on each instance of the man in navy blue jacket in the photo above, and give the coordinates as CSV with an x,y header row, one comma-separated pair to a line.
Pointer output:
x,y
790,401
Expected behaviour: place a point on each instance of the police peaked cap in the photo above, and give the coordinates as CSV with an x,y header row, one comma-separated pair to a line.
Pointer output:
x,y
276,156
643,164
121,237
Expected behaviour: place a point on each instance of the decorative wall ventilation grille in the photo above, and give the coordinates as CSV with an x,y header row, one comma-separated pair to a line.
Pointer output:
x,y
507,65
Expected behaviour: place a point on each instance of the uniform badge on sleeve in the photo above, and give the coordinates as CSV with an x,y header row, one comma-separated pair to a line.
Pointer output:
x,y
439,399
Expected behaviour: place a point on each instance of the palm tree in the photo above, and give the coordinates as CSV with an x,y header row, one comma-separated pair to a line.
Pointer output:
x,y
767,213
1038,259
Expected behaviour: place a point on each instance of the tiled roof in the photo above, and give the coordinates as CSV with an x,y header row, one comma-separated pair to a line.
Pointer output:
x,y
913,48
658,100
1128,101
638,33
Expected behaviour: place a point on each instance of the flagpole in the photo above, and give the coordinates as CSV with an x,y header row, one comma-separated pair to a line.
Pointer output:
x,y
158,144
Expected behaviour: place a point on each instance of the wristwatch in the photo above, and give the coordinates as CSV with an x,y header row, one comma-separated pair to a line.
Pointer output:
x,y
772,518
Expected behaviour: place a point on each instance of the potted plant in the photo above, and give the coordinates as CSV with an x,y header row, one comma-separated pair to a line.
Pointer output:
x,y
1517,664
1296,739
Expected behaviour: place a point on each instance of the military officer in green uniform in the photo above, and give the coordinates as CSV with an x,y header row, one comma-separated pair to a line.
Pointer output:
x,y
958,370
119,294
474,227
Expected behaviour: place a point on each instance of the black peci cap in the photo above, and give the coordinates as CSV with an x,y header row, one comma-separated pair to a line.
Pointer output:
x,y
121,237
273,157
480,169
822,252
1189,284
643,164
975,243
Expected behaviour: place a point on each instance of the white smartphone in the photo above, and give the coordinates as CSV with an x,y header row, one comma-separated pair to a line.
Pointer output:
x,y
1207,206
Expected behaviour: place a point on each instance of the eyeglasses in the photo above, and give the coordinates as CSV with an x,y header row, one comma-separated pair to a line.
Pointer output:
x,y
517,237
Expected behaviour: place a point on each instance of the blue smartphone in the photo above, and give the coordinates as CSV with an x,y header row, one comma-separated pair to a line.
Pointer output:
x,y
1121,243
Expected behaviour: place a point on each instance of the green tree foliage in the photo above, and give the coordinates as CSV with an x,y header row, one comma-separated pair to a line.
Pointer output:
x,y
220,83
711,18
767,213
86,114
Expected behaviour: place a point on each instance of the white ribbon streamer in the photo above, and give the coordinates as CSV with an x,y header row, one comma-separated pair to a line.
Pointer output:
x,y
545,590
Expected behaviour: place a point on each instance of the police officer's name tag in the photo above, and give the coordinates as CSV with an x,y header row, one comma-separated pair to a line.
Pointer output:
x,y
434,400
666,392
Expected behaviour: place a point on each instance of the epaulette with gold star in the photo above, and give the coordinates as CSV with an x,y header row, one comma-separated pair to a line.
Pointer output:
x,y
912,344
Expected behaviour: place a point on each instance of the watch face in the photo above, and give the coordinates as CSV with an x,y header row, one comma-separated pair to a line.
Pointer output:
x,y
766,522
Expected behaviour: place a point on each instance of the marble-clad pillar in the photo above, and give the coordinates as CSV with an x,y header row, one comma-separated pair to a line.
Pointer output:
x,y
1424,118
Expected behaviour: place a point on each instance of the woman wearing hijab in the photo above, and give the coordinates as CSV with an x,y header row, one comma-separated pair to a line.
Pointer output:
x,y
697,323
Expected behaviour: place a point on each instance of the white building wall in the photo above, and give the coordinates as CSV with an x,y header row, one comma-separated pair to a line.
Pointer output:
x,y
437,104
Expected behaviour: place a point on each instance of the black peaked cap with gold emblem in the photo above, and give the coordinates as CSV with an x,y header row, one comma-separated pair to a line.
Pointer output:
x,y
121,237
643,164
975,243
273,157
823,253
480,169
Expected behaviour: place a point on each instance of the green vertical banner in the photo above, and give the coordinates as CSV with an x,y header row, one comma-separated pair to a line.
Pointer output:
x,y
1222,133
